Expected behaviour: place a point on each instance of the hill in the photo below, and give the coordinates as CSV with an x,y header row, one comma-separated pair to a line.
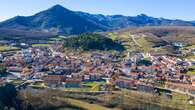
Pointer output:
x,y
153,39
92,42
59,20
185,34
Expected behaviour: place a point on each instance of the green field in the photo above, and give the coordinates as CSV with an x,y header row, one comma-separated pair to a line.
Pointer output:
x,y
190,47
38,85
17,82
40,45
182,100
192,70
7,48
139,43
87,86
129,99
145,45
123,37
94,86
191,57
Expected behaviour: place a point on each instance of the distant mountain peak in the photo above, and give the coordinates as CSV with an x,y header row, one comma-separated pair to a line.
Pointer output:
x,y
58,8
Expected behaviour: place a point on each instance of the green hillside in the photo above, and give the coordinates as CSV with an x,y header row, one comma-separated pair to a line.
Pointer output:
x,y
91,41
137,42
156,39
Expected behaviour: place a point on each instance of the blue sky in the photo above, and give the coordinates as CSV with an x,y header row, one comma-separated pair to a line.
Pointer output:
x,y
173,9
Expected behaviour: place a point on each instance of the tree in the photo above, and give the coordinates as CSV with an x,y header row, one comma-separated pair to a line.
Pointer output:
x,y
3,70
8,95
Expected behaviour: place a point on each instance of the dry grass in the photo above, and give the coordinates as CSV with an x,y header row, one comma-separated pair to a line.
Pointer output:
x,y
87,105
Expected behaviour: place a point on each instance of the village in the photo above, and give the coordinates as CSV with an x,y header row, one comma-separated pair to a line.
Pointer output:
x,y
42,66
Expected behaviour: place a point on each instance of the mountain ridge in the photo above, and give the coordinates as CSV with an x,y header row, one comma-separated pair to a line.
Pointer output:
x,y
57,20
60,20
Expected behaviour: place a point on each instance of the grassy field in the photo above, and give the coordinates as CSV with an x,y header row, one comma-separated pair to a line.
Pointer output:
x,y
190,47
87,86
182,100
17,82
128,99
191,57
38,85
7,48
125,39
191,72
41,45
145,43
87,105
94,86
177,101
77,89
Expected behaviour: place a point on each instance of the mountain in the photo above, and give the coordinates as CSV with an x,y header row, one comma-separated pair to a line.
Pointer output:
x,y
120,21
54,20
59,20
